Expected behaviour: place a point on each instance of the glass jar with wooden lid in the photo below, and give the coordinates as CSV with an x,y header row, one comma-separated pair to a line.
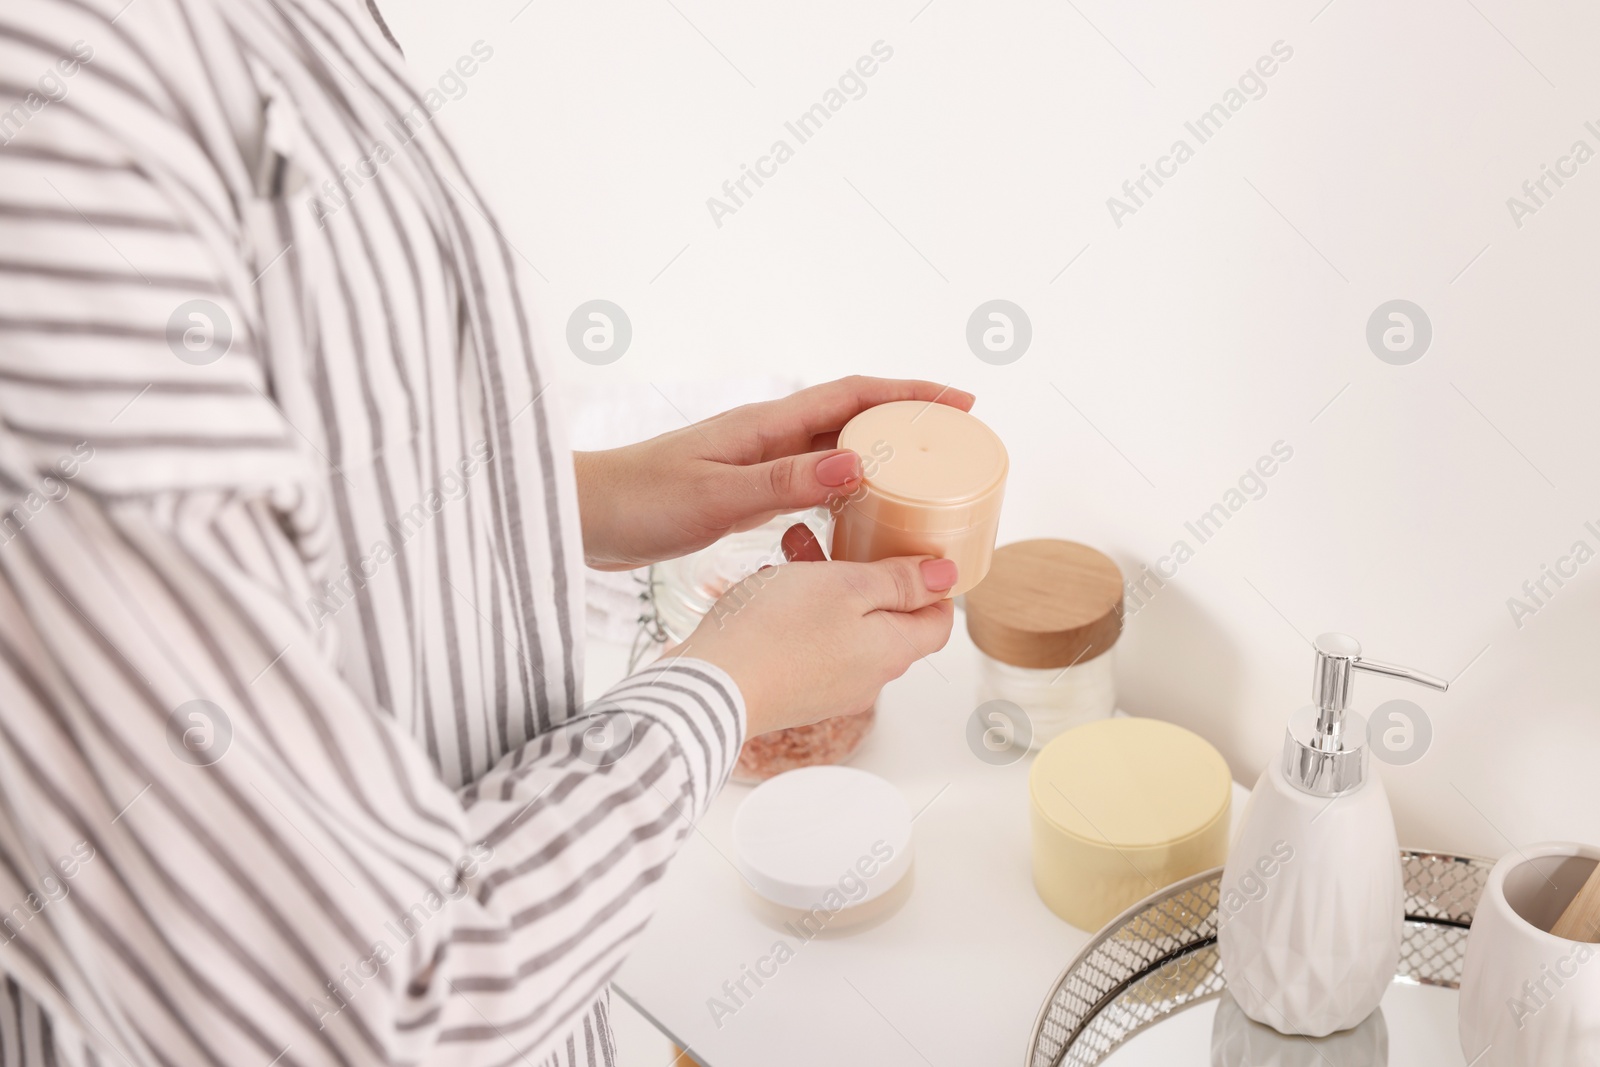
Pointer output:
x,y
1046,619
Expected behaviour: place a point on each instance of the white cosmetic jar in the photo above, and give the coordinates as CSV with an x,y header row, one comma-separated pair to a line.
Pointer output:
x,y
824,850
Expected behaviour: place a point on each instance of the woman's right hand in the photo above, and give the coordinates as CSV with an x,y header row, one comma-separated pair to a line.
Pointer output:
x,y
809,640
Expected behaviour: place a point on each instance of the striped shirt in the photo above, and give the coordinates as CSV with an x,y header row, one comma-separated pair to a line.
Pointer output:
x,y
294,763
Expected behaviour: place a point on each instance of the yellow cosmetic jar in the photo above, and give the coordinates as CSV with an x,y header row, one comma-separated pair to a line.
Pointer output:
x,y
932,480
1121,809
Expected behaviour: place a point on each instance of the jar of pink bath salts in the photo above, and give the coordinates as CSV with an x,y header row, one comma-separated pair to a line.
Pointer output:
x,y
683,591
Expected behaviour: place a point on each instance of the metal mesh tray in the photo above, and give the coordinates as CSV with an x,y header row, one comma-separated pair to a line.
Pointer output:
x,y
1160,957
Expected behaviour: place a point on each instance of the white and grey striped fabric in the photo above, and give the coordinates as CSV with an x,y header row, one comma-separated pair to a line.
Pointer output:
x,y
294,765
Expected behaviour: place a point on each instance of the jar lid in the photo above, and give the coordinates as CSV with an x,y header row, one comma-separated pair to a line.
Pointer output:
x,y
1127,784
823,838
925,466
1046,604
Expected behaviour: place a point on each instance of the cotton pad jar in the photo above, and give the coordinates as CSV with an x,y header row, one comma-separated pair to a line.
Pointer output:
x,y
1046,619
932,480
824,850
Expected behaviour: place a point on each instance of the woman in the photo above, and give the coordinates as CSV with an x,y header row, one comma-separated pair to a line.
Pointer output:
x,y
294,762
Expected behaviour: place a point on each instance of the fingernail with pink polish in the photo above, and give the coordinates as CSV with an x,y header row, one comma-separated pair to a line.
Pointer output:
x,y
939,574
839,470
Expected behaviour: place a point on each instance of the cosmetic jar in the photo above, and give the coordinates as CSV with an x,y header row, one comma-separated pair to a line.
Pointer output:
x,y
932,480
824,850
1528,997
1121,809
832,740
683,591
1046,619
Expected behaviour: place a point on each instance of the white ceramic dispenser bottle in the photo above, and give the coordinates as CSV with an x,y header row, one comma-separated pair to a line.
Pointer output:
x,y
1313,900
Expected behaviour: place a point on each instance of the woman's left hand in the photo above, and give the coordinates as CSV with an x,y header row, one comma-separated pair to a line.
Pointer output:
x,y
673,494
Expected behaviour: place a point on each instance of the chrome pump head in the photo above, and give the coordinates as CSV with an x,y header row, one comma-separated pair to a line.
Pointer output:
x,y
1325,751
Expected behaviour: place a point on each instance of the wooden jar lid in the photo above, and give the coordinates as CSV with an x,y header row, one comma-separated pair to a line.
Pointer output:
x,y
1046,604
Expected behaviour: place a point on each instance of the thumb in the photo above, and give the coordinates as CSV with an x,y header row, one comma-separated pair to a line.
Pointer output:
x,y
901,583
802,481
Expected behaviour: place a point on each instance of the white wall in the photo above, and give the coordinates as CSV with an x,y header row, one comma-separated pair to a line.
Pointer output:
x,y
1221,317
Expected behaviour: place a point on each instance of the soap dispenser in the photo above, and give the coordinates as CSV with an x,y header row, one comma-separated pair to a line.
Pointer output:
x,y
1312,902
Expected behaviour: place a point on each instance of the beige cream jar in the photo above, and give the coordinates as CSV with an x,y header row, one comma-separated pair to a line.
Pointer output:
x,y
933,488
1120,809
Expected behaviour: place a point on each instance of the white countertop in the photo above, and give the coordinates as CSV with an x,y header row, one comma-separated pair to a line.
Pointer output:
x,y
957,976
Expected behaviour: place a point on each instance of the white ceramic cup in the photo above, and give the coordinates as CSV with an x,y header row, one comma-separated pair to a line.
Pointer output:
x,y
1529,998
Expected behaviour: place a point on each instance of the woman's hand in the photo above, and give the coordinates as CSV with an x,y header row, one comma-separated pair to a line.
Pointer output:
x,y
805,641
679,492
